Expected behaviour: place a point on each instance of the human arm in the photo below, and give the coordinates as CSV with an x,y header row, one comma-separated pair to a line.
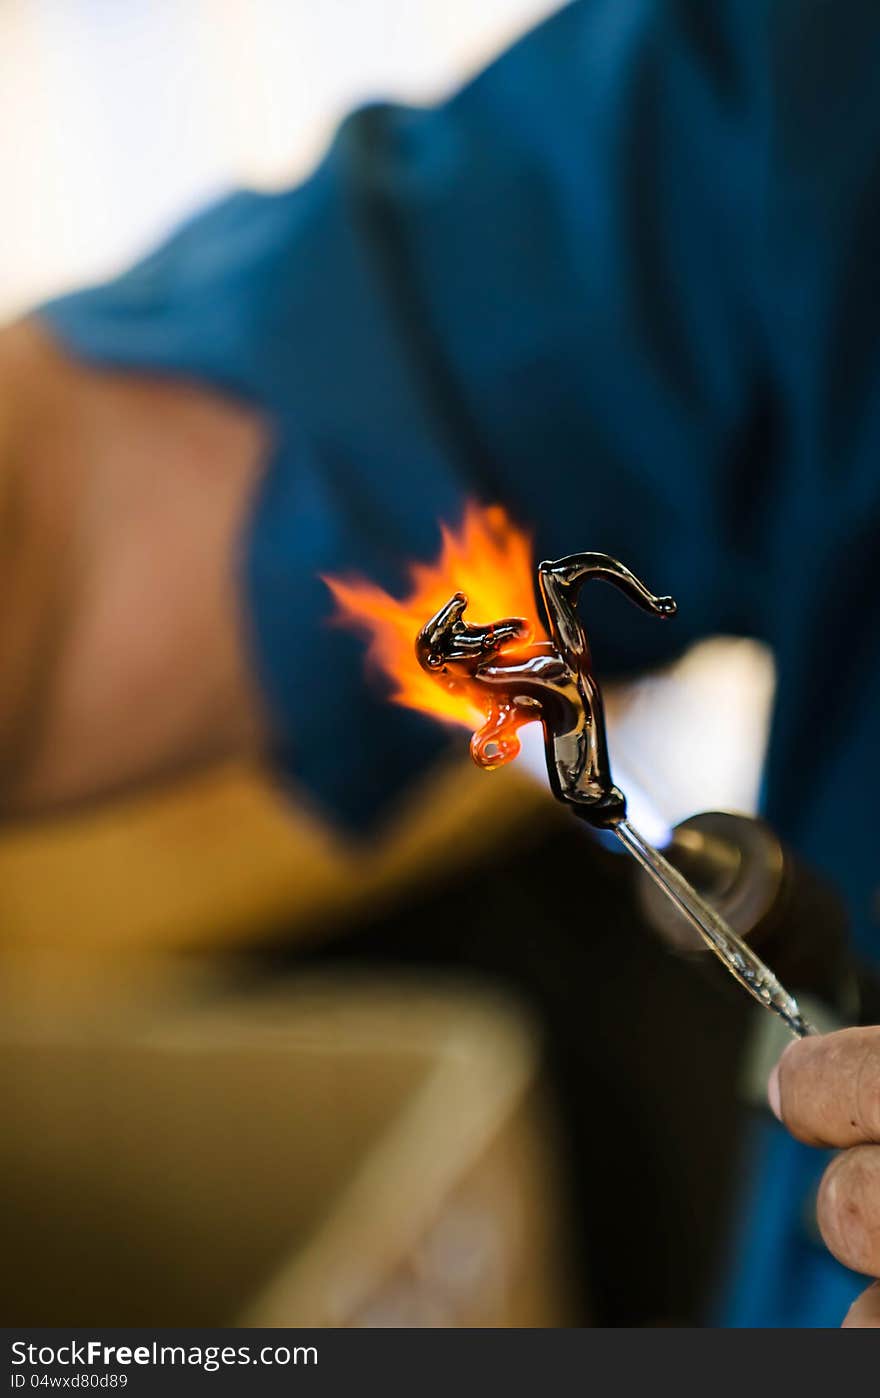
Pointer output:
x,y
122,651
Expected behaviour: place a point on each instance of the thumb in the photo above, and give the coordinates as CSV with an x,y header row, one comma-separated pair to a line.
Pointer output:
x,y
864,1313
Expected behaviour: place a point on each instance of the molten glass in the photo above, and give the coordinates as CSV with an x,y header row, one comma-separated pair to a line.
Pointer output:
x,y
490,559
550,680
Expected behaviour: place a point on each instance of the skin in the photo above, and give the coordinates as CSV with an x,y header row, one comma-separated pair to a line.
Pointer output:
x,y
123,651
826,1090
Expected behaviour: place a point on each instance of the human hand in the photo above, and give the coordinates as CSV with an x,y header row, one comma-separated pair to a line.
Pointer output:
x,y
826,1091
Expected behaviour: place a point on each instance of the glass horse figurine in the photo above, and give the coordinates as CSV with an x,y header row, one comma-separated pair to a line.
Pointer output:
x,y
550,680
520,680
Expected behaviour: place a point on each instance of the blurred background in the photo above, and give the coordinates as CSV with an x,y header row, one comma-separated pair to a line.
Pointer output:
x,y
275,1066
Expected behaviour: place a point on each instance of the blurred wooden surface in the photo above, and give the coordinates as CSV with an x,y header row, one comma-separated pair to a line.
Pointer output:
x,y
224,857
344,1152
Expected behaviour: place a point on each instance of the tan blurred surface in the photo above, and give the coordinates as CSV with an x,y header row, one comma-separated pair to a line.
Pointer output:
x,y
218,860
336,1154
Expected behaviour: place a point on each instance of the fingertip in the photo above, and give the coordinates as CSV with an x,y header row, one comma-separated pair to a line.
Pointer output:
x,y
774,1096
774,1087
864,1313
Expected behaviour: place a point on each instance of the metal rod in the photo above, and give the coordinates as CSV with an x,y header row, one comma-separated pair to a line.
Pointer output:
x,y
739,958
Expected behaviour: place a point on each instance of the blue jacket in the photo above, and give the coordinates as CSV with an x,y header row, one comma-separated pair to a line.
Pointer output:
x,y
627,282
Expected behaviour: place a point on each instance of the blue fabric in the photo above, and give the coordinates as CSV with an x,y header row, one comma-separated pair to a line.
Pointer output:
x,y
626,282
780,1272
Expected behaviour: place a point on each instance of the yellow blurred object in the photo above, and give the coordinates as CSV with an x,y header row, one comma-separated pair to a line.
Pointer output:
x,y
218,860
342,1153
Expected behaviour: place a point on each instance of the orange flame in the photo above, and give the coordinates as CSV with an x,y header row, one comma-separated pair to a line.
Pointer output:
x,y
489,559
